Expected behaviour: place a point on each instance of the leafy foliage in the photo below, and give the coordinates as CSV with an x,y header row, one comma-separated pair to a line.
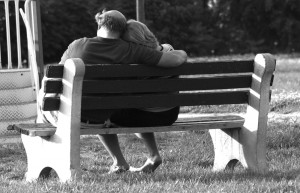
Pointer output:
x,y
201,27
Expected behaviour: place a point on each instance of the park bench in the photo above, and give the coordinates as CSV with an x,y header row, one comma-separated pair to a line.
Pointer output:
x,y
83,86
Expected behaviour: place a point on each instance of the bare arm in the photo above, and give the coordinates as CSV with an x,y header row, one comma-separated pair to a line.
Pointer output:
x,y
172,59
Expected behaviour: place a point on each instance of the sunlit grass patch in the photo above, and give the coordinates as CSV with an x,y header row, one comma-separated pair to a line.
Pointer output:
x,y
214,109
283,132
285,102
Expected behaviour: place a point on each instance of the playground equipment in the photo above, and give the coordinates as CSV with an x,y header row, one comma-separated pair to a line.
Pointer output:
x,y
140,10
19,82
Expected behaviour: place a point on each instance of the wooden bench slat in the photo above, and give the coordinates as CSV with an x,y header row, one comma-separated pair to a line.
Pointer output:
x,y
53,86
215,117
54,71
165,85
163,100
51,103
156,85
102,70
272,80
158,100
154,100
105,70
183,124
41,129
199,123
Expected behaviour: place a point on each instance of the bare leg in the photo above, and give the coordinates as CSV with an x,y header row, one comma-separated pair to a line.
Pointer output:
x,y
111,143
154,159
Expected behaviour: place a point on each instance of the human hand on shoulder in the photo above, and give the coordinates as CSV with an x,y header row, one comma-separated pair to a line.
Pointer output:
x,y
166,48
172,58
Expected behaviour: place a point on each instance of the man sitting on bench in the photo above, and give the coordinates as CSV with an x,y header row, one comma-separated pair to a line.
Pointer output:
x,y
108,48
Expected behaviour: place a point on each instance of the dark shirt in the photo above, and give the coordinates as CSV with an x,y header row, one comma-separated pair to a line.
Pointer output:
x,y
99,50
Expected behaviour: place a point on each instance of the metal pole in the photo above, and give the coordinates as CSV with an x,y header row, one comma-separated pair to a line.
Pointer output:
x,y
140,11
18,33
9,63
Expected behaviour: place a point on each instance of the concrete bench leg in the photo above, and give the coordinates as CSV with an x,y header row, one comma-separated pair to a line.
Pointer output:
x,y
246,144
227,148
61,151
253,137
50,153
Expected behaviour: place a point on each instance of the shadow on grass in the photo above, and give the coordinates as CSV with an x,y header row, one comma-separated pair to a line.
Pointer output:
x,y
205,177
225,176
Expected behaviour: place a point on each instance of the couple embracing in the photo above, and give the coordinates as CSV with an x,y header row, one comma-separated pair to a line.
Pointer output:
x,y
119,41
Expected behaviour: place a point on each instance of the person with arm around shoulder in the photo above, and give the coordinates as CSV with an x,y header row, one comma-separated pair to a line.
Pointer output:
x,y
107,47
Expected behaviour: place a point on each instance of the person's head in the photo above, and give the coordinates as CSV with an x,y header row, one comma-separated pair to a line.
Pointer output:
x,y
112,21
139,33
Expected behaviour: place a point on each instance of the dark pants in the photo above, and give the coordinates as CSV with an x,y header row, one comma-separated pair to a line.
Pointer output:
x,y
140,118
133,117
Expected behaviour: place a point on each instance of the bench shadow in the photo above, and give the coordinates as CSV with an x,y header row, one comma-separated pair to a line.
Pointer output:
x,y
225,176
205,178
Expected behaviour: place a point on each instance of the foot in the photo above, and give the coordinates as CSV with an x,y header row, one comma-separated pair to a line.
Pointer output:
x,y
149,166
117,169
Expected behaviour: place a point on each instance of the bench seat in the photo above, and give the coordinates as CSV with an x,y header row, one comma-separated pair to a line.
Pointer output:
x,y
182,124
37,129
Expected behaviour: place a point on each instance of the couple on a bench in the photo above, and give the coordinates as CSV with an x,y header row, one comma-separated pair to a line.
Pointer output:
x,y
119,41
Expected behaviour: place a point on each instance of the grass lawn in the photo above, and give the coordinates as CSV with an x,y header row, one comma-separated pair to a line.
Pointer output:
x,y
187,156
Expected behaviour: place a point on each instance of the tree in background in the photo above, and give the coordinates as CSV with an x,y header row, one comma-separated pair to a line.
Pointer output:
x,y
261,25
185,24
62,22
201,27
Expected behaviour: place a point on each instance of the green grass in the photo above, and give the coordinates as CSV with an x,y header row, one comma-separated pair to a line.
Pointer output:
x,y
187,156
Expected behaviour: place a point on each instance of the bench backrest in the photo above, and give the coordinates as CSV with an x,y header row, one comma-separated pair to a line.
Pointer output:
x,y
140,86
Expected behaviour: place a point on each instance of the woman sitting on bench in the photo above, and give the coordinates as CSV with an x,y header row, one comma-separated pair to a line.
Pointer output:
x,y
139,33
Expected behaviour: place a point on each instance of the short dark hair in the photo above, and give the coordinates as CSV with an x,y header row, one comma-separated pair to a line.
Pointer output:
x,y
110,22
